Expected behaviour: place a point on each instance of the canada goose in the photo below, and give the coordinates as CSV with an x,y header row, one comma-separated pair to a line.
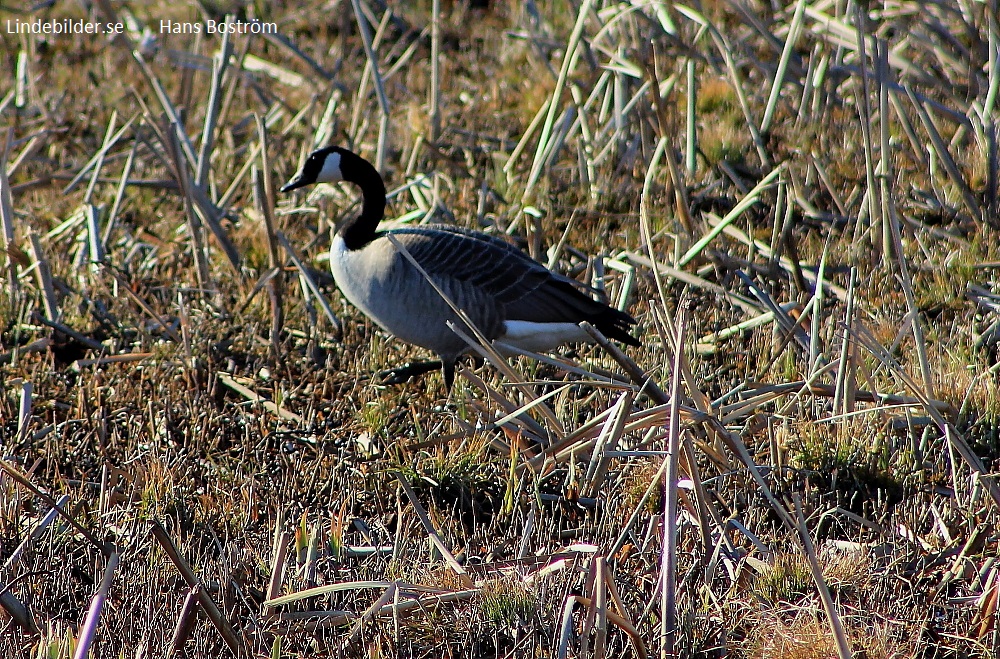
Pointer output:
x,y
505,293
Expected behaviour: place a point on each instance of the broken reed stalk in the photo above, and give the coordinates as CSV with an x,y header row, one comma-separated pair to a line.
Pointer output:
x,y
668,562
639,377
7,217
677,185
24,411
383,100
43,273
846,381
185,148
885,170
95,246
204,597
941,151
15,608
88,630
98,157
119,195
955,439
283,540
70,332
263,197
252,395
338,326
742,206
526,427
989,143
639,509
186,620
596,621
707,515
433,534
172,139
434,92
126,286
607,440
816,317
329,619
570,57
892,230
318,591
732,441
722,45
622,622
220,64
33,535
20,613
100,161
832,616
196,234
870,209
388,595
786,55
691,115
522,143
645,231
22,479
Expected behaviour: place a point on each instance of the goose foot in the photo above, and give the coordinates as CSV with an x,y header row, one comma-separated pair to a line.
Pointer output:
x,y
401,374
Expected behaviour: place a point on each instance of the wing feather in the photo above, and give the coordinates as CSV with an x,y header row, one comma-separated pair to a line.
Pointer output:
x,y
486,273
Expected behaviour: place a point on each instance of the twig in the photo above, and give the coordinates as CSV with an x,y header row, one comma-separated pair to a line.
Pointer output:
x,y
251,395
44,275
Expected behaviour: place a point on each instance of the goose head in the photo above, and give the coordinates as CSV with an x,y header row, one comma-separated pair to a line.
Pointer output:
x,y
334,163
323,166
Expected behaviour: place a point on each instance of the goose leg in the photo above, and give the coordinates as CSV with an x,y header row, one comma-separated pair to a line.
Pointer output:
x,y
401,374
449,374
448,368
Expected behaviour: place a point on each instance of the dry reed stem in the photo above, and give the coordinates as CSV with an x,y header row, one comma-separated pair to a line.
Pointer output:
x,y
7,215
433,534
185,621
833,617
251,395
149,433
23,480
88,630
234,642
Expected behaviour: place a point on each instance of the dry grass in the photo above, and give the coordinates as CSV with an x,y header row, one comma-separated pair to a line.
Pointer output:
x,y
232,480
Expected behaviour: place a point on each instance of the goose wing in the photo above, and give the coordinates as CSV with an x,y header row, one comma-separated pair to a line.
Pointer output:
x,y
492,274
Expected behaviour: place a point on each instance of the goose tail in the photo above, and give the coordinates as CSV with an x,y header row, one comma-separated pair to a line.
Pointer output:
x,y
615,324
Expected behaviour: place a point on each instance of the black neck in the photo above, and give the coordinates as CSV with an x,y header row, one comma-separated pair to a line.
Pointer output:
x,y
360,231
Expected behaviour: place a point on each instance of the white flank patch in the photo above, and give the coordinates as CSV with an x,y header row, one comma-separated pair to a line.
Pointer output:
x,y
331,169
541,337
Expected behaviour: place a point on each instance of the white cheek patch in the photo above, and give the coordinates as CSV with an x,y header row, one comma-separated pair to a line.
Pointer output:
x,y
331,169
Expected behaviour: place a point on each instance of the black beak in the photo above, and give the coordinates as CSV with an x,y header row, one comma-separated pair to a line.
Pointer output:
x,y
294,184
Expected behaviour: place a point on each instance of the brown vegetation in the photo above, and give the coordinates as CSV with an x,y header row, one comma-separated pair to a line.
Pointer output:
x,y
802,200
